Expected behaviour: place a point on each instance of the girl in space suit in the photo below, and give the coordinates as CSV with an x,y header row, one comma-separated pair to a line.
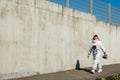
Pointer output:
x,y
96,48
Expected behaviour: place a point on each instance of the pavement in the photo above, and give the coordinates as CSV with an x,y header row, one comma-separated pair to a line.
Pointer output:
x,y
80,74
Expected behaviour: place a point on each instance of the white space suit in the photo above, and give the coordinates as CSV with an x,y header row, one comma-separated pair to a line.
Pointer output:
x,y
95,48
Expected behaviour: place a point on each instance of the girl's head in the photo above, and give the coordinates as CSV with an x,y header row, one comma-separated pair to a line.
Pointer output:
x,y
95,37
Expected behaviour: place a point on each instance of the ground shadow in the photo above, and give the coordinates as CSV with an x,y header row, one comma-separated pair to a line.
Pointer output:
x,y
86,69
77,67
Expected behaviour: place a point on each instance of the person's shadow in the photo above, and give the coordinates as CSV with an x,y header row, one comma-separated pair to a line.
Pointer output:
x,y
77,67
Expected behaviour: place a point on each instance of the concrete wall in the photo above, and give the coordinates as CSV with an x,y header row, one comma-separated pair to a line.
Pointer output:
x,y
37,36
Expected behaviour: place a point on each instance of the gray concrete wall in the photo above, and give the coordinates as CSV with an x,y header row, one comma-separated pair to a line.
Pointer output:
x,y
37,36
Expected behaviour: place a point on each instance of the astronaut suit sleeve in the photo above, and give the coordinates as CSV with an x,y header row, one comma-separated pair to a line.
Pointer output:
x,y
89,50
102,47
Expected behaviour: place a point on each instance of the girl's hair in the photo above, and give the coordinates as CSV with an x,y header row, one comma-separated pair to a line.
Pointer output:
x,y
95,36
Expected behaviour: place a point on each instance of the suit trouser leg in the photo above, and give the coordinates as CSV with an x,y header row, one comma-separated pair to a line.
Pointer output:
x,y
94,64
99,65
96,61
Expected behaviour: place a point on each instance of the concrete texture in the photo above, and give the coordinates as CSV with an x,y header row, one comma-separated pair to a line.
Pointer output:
x,y
37,36
82,74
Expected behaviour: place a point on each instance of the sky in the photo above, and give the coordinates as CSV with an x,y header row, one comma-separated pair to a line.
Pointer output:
x,y
114,2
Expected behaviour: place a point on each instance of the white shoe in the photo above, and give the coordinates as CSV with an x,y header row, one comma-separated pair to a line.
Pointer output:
x,y
100,70
93,71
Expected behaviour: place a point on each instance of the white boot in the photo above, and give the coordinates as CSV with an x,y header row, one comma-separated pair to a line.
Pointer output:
x,y
100,70
93,71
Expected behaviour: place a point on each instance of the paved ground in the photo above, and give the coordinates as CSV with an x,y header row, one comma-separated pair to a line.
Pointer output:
x,y
83,74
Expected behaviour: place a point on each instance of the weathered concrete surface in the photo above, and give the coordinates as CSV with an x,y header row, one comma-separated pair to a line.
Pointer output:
x,y
83,74
37,36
